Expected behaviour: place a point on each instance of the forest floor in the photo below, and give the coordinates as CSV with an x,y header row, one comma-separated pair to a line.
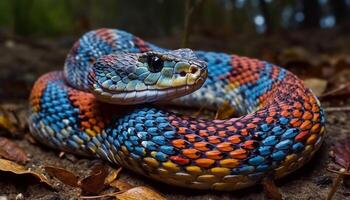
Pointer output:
x,y
324,56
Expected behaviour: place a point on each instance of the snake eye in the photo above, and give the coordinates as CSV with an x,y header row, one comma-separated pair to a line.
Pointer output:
x,y
155,64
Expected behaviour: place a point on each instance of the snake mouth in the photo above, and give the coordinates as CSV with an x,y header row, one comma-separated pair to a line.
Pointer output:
x,y
144,96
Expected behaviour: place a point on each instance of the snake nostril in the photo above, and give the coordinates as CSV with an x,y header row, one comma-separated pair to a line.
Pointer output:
x,y
194,70
182,73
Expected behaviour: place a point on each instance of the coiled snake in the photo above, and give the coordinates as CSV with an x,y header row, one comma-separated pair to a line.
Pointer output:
x,y
280,128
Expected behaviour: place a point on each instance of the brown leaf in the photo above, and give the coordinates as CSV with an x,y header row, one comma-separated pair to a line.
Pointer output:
x,y
9,166
113,174
13,117
63,175
140,192
225,111
94,183
341,153
12,151
6,124
271,189
318,86
121,185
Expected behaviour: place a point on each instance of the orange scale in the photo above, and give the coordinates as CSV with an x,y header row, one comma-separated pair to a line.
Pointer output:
x,y
203,133
307,106
306,125
297,105
214,139
204,162
316,117
249,144
179,143
182,130
307,115
225,146
191,137
315,108
297,113
316,128
202,146
191,153
269,120
211,128
285,107
295,122
285,113
215,155
93,121
302,136
193,126
312,100
179,160
231,128
235,139
222,133
251,125
85,124
244,132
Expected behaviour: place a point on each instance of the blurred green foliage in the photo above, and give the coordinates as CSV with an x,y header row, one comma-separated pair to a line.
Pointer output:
x,y
163,17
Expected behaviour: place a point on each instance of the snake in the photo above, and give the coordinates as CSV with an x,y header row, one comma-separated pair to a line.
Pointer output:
x,y
111,102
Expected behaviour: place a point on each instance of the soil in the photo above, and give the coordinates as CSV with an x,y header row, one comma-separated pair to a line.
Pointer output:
x,y
23,60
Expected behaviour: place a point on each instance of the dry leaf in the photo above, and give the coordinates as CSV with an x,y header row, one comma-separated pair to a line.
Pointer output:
x,y
12,151
141,192
9,166
341,153
13,117
225,111
318,86
6,124
63,175
121,185
271,189
113,174
94,183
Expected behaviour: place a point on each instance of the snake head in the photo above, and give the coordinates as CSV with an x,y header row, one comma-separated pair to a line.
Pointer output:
x,y
133,78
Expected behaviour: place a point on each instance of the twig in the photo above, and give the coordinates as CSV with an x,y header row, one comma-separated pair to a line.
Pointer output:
x,y
101,196
337,182
332,92
188,14
337,109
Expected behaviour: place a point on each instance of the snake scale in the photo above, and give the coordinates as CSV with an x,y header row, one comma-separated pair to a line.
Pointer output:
x,y
80,110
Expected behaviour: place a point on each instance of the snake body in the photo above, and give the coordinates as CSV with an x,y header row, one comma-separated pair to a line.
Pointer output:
x,y
280,128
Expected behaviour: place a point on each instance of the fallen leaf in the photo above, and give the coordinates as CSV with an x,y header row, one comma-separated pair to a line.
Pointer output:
x,y
9,166
63,175
121,185
340,152
271,189
6,124
113,174
225,111
140,192
13,117
318,86
94,183
12,151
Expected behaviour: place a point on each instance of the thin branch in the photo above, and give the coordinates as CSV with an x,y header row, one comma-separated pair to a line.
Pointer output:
x,y
337,109
189,9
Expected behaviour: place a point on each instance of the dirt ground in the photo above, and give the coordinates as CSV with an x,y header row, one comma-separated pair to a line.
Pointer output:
x,y
23,60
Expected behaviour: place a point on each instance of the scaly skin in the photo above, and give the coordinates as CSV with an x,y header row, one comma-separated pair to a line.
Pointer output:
x,y
281,127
